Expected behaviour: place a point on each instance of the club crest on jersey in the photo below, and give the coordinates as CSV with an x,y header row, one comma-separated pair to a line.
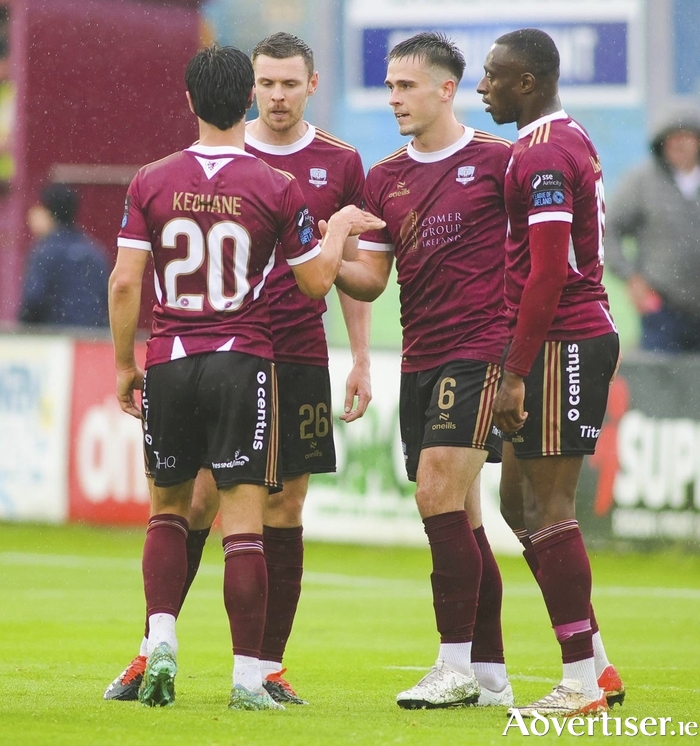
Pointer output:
x,y
318,177
465,174
212,166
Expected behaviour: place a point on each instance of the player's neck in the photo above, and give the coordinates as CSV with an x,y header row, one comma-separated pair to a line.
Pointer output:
x,y
438,137
213,137
261,132
541,108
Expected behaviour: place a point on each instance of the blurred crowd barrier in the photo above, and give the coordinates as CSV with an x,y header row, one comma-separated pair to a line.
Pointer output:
x,y
68,453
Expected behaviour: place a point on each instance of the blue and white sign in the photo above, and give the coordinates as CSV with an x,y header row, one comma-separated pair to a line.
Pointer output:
x,y
600,43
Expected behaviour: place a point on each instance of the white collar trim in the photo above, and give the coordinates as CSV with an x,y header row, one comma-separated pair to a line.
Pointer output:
x,y
528,129
215,150
440,155
294,147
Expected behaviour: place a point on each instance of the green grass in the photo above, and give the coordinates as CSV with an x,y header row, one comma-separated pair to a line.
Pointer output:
x,y
71,614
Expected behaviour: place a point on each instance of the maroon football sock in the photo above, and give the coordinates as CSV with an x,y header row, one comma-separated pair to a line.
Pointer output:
x,y
530,555
164,563
594,621
245,591
533,564
564,577
456,574
195,546
487,646
284,557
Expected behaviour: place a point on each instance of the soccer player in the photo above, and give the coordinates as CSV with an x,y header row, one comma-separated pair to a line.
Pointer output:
x,y
563,347
210,217
331,176
441,197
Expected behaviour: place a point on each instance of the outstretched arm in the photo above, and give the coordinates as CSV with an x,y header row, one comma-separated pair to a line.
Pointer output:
x,y
365,277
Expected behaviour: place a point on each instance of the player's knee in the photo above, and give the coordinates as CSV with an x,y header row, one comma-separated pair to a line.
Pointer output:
x,y
284,509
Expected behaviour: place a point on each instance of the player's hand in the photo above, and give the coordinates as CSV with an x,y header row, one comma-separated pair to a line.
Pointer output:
x,y
357,387
128,381
508,414
359,221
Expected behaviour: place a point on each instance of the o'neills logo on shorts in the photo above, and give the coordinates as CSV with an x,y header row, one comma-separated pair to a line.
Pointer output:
x,y
261,424
573,382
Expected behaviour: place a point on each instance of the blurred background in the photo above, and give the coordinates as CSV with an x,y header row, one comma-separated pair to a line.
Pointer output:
x,y
92,90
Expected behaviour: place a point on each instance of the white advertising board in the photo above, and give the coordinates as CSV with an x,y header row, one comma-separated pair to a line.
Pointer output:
x,y
35,398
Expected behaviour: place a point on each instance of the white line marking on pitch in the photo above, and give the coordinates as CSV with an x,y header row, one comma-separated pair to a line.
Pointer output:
x,y
332,579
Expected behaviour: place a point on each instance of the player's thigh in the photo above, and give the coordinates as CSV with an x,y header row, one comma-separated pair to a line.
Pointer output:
x,y
445,475
172,430
566,394
242,509
448,406
549,489
510,489
205,500
306,420
238,404
284,509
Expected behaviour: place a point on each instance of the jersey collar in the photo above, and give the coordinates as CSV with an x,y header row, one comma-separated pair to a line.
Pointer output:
x,y
294,147
440,155
528,129
215,150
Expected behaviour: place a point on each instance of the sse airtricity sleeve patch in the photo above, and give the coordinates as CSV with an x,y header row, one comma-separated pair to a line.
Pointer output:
x,y
547,188
304,226
127,205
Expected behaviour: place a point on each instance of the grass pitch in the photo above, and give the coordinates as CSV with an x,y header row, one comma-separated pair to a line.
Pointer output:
x,y
71,618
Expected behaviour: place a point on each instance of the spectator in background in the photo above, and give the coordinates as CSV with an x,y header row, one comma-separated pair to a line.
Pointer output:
x,y
657,205
66,273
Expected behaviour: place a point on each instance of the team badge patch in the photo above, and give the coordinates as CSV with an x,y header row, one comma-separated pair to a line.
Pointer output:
x,y
318,177
465,174
547,188
304,226
127,205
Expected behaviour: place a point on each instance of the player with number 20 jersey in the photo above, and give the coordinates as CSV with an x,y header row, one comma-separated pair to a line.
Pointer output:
x,y
209,228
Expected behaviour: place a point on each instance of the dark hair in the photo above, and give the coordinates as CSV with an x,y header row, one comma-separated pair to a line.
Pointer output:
x,y
535,49
61,201
282,46
220,80
433,47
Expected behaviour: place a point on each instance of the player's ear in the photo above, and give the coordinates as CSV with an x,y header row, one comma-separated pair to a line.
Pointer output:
x,y
528,82
448,88
251,98
189,101
313,84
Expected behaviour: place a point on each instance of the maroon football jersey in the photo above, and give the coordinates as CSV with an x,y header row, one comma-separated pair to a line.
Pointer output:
x,y
211,217
555,175
446,224
331,176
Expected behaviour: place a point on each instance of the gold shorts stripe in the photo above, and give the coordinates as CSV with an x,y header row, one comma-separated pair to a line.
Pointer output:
x,y
273,443
551,400
485,412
